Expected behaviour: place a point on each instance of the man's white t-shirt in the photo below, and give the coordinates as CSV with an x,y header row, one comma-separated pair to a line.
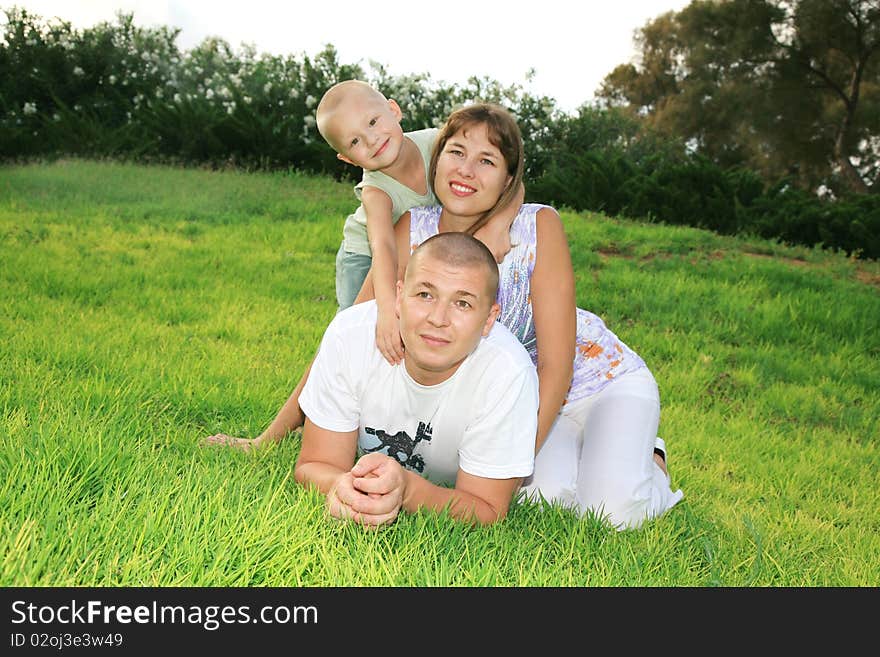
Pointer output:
x,y
482,419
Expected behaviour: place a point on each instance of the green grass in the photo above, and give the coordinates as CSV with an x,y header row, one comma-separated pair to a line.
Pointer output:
x,y
143,308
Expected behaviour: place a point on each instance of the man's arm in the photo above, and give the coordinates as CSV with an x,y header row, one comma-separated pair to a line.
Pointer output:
x,y
498,442
474,499
380,230
373,492
325,462
324,456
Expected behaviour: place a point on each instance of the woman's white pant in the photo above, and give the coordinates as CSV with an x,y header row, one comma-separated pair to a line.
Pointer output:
x,y
599,455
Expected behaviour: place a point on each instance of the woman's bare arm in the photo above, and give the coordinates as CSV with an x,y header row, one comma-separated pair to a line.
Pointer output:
x,y
553,303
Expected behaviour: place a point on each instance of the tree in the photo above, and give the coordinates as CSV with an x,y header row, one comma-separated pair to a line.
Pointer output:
x,y
788,87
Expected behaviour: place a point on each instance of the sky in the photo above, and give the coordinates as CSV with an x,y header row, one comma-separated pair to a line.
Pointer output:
x,y
571,44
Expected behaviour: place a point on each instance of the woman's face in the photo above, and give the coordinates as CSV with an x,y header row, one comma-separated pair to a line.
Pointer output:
x,y
471,173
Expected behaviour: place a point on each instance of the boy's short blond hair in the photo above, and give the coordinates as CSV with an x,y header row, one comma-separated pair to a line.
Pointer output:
x,y
333,98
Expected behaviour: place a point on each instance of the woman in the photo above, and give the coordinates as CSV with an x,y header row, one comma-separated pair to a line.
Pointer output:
x,y
599,405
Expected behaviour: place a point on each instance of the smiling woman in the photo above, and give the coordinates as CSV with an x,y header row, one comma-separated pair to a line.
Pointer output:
x,y
480,164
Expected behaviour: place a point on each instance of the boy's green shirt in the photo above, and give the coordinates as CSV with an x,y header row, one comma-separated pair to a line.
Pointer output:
x,y
354,232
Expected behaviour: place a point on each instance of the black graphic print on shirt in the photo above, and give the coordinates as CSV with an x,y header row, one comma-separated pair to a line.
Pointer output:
x,y
400,446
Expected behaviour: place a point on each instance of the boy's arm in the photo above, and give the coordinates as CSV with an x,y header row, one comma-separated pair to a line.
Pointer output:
x,y
380,230
495,233
401,235
290,416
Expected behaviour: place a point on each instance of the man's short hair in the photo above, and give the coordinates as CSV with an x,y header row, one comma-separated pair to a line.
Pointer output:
x,y
460,250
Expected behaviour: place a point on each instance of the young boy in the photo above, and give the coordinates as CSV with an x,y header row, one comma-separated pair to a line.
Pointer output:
x,y
363,127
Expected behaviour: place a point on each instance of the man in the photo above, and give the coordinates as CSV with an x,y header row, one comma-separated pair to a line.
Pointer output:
x,y
452,427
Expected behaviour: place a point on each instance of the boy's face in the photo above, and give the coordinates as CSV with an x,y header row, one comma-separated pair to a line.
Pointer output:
x,y
365,131
444,310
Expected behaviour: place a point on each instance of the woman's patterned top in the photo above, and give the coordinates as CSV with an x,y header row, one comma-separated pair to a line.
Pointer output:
x,y
600,356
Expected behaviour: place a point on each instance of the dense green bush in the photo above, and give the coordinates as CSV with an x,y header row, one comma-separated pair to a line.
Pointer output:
x,y
117,89
124,91
608,161
851,224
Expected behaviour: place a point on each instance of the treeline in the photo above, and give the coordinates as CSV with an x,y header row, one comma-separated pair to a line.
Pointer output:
x,y
608,160
123,91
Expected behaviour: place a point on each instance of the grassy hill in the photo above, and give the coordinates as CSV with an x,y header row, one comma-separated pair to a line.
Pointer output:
x,y
143,308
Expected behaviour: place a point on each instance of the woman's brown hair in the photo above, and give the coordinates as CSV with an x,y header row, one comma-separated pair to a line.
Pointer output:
x,y
503,133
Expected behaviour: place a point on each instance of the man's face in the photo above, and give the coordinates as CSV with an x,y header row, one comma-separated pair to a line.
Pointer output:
x,y
366,131
444,310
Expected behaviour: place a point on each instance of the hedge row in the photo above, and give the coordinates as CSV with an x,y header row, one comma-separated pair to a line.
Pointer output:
x,y
605,161
124,91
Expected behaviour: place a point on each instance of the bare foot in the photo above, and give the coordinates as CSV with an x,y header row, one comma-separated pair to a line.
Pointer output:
x,y
659,460
222,440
